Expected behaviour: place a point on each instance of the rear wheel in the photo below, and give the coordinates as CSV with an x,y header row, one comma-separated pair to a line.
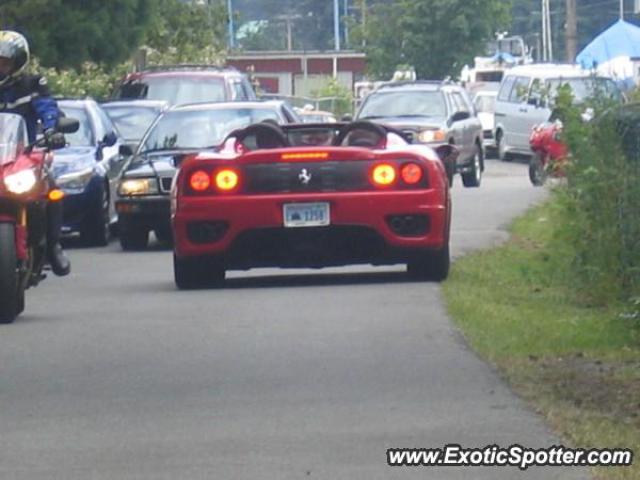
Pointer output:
x,y
164,236
193,273
473,177
431,265
96,229
537,173
11,293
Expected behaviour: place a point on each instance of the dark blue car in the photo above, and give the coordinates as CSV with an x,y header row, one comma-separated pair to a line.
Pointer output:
x,y
87,169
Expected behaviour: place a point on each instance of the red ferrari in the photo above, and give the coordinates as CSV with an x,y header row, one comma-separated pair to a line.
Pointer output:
x,y
311,196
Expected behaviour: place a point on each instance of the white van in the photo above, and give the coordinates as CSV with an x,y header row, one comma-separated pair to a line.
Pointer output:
x,y
523,100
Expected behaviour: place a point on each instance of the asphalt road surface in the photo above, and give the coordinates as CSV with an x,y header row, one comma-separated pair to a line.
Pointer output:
x,y
114,374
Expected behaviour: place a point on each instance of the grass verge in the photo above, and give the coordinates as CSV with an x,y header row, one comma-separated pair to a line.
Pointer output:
x,y
576,363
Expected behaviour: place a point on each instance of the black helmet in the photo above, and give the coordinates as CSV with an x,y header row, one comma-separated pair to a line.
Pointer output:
x,y
14,47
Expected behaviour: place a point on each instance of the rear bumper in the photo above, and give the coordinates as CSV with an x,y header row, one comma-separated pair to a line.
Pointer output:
x,y
251,229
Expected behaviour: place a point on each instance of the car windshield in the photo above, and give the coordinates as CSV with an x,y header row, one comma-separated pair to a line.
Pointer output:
x,y
485,103
584,88
13,137
177,90
193,129
84,136
407,103
132,121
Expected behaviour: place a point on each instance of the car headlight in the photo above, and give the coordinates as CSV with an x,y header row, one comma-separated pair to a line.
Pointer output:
x,y
75,181
428,136
138,186
21,182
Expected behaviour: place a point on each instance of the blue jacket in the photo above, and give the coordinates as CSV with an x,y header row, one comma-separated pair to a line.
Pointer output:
x,y
29,96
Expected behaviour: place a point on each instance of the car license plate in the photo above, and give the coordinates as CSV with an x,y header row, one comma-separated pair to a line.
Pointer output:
x,y
306,214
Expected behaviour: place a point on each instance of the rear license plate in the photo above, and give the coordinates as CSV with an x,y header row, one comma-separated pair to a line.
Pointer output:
x,y
306,214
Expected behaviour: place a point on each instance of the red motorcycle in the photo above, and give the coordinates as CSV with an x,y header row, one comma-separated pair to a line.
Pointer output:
x,y
549,153
25,190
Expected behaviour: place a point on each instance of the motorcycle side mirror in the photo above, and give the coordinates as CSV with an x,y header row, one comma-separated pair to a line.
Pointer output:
x,y
67,125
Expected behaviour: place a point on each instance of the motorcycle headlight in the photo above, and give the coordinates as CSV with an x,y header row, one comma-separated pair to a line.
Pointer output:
x,y
138,186
21,182
76,181
428,136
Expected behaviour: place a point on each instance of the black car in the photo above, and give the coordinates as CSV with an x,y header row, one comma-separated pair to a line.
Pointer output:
x,y
143,203
433,113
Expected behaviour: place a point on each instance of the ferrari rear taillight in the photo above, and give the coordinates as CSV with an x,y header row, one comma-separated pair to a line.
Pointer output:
x,y
411,173
199,181
383,175
227,180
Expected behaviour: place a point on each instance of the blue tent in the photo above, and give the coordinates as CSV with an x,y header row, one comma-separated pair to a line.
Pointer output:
x,y
622,39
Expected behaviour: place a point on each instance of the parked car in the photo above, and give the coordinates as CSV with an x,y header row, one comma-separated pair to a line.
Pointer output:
x,y
485,104
186,84
143,192
133,118
526,96
432,113
88,170
361,194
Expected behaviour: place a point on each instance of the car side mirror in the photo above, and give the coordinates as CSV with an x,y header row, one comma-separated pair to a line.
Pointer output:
x,y
459,116
67,125
109,140
125,150
347,118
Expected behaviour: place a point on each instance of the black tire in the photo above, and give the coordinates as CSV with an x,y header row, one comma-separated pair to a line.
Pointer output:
x,y
132,237
11,293
431,265
502,154
96,230
194,273
164,236
473,178
537,173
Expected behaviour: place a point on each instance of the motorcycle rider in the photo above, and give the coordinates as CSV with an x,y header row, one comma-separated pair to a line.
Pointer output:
x,y
28,96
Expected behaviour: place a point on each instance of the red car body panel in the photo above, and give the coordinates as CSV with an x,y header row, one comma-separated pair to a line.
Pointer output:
x,y
371,208
545,140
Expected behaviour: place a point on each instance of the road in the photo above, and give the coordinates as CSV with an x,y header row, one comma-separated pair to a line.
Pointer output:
x,y
114,374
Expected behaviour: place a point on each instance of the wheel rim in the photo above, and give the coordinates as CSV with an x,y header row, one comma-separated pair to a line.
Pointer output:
x,y
500,142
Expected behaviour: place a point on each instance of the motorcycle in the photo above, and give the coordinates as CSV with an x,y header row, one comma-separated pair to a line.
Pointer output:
x,y
549,153
25,190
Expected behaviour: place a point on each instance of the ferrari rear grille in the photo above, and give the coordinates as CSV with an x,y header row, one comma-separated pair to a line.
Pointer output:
x,y
307,177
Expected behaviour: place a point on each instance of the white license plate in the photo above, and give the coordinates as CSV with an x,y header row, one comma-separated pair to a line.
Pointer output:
x,y
306,214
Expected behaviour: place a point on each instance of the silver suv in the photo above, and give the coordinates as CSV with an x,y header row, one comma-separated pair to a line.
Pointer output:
x,y
433,113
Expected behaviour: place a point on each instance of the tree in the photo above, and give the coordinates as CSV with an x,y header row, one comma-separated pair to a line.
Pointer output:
x,y
180,32
67,33
436,37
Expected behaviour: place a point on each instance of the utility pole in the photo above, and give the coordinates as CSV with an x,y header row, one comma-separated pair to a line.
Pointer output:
x,y
547,47
232,42
336,23
621,9
571,31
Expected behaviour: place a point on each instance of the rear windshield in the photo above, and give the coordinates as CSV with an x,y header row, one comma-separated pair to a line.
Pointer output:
x,y
194,129
485,103
176,90
84,136
132,122
404,104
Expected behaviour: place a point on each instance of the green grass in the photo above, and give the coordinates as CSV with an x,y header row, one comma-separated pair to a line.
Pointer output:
x,y
578,364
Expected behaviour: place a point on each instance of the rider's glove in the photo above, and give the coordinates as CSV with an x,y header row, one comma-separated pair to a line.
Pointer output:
x,y
54,139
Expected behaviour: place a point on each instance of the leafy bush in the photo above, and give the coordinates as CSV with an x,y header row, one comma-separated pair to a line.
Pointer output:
x,y
339,99
90,80
602,197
